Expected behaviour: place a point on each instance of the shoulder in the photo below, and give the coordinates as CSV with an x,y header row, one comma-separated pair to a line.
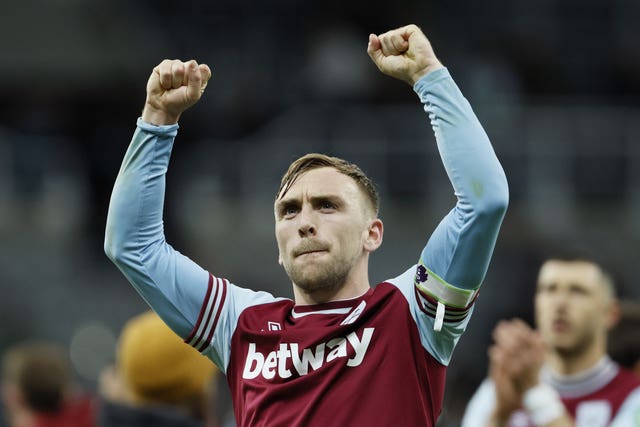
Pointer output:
x,y
626,382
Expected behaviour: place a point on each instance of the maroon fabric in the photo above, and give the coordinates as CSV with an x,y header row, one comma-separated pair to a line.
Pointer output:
x,y
614,393
306,371
80,412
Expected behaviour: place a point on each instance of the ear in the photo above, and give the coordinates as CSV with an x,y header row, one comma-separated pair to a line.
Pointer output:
x,y
613,314
373,238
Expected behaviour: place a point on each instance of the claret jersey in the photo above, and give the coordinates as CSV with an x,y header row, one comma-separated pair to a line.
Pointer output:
x,y
301,365
376,360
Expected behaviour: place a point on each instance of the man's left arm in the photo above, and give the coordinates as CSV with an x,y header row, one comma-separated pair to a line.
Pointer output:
x,y
455,260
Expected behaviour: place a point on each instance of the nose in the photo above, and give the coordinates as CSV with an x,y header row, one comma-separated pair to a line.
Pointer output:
x,y
306,227
562,301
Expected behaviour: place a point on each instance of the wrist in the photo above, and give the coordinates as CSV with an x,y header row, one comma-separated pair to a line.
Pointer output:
x,y
501,415
158,117
543,404
424,71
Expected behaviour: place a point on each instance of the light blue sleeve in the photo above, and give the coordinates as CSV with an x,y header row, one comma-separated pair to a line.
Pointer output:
x,y
460,248
200,308
134,236
443,285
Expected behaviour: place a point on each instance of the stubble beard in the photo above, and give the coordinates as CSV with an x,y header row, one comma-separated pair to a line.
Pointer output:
x,y
578,346
325,276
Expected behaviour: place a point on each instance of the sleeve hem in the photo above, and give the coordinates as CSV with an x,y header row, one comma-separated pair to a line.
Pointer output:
x,y
429,79
166,130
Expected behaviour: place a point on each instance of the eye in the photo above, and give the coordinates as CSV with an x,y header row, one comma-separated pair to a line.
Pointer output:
x,y
578,290
289,210
326,205
547,288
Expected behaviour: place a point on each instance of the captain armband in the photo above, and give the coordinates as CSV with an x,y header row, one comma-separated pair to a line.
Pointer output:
x,y
440,300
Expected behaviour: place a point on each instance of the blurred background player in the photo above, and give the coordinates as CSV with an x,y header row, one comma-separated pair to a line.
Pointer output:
x,y
559,375
38,388
158,380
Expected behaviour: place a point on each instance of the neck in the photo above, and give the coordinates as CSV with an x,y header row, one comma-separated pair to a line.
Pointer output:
x,y
573,362
321,296
355,285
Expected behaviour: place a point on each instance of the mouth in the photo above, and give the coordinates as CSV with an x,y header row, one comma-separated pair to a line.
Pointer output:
x,y
310,253
561,325
310,248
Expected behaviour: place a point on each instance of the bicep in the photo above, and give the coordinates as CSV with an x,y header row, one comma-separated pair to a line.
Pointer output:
x,y
460,248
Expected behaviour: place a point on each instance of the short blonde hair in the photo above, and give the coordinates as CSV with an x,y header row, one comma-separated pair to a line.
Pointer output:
x,y
315,161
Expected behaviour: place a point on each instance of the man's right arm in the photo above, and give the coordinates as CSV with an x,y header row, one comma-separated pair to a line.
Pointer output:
x,y
134,237
190,300
170,283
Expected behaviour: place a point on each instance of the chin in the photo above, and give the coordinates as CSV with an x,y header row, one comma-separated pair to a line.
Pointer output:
x,y
564,346
311,281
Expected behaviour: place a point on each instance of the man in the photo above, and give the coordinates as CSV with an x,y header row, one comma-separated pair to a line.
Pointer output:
x,y
341,353
38,388
559,375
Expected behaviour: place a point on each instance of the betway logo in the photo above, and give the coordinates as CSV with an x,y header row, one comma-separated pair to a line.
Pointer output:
x,y
275,363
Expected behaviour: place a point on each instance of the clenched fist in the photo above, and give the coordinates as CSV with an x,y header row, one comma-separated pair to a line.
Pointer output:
x,y
404,53
173,87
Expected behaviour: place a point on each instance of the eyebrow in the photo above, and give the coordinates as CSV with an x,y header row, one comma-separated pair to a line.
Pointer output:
x,y
314,200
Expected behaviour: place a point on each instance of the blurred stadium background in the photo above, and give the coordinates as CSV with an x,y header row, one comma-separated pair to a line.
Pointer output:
x,y
555,83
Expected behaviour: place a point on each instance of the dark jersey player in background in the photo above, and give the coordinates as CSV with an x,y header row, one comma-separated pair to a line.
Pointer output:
x,y
341,353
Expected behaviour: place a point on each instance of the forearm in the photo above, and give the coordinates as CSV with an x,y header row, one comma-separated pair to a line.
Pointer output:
x,y
497,420
134,220
563,421
460,250
135,240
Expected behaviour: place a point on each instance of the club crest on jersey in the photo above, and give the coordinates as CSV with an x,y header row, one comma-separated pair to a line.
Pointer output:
x,y
421,274
289,359
274,326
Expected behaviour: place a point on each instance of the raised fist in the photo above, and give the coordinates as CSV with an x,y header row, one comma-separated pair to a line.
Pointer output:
x,y
403,53
173,87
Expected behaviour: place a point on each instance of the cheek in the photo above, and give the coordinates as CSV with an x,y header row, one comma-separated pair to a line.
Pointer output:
x,y
281,238
351,237
539,309
591,312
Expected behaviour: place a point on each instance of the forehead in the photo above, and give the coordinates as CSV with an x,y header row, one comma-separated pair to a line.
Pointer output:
x,y
570,272
323,181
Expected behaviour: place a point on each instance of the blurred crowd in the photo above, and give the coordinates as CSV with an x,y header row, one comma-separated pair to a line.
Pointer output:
x,y
156,380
